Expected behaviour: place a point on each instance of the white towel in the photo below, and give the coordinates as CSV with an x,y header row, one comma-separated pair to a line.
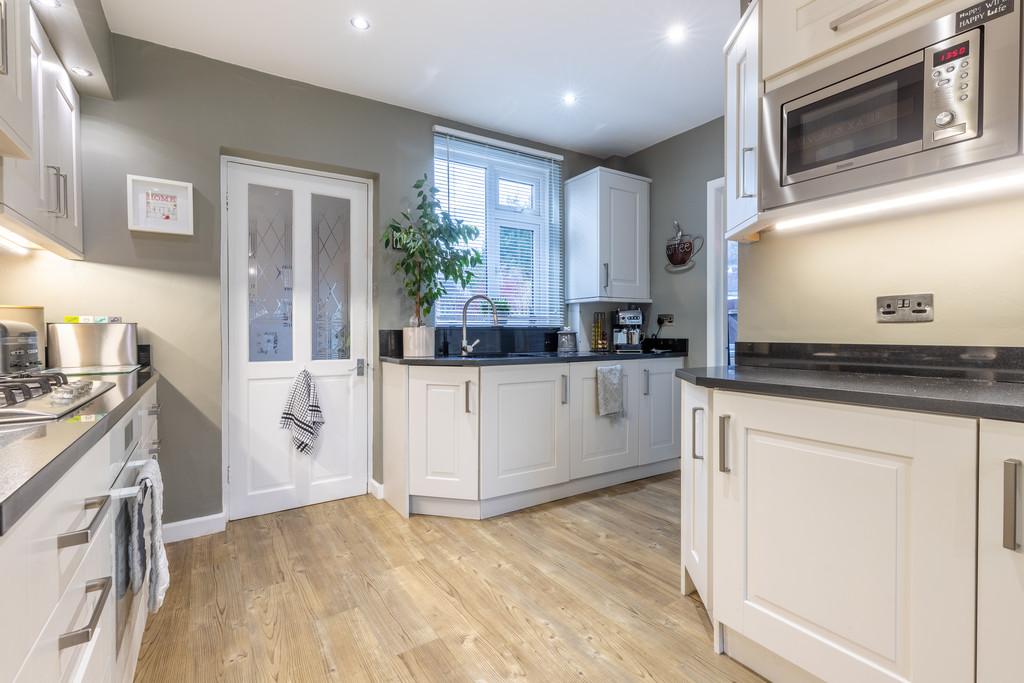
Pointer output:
x,y
149,481
609,390
302,415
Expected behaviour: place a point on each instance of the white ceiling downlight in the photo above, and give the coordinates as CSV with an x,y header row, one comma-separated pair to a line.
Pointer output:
x,y
360,23
676,34
569,99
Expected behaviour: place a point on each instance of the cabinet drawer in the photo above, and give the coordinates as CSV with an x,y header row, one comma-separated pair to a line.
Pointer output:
x,y
67,649
34,571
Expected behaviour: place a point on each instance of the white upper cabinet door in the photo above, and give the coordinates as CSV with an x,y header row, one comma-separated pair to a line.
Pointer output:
x,y
524,428
15,80
444,432
696,495
603,443
1000,552
659,410
797,31
742,108
63,115
844,537
608,237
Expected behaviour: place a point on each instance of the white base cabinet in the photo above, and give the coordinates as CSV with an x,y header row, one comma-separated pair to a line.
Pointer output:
x,y
696,493
1000,552
603,443
444,432
844,537
660,397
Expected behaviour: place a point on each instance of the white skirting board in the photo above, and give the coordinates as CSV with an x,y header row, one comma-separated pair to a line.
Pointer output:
x,y
194,528
376,489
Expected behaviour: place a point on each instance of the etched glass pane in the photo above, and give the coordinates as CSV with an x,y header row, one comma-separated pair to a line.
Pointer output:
x,y
332,220
270,274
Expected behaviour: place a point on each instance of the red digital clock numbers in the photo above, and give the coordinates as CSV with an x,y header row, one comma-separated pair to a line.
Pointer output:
x,y
951,54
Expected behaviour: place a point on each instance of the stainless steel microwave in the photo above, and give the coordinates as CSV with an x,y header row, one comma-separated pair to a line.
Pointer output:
x,y
943,96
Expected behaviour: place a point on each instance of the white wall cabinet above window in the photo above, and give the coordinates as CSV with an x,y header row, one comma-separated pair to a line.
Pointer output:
x,y
16,138
608,216
742,109
40,197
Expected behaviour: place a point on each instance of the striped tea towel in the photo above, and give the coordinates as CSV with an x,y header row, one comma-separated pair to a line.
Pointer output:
x,y
302,415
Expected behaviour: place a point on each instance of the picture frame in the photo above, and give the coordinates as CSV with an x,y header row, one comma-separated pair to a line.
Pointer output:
x,y
159,205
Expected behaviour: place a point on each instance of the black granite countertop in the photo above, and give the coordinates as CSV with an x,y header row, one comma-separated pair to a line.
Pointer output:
x,y
530,358
945,395
34,457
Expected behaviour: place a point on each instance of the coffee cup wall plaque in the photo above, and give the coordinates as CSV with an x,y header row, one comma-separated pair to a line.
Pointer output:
x,y
681,250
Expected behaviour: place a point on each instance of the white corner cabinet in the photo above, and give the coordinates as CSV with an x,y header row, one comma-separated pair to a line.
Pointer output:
x,y
696,493
16,119
40,196
1000,552
479,441
742,111
608,232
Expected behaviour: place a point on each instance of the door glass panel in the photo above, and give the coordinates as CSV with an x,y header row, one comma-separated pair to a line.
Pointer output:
x,y
270,274
332,220
880,114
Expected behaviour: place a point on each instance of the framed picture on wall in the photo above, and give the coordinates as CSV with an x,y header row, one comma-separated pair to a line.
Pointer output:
x,y
158,205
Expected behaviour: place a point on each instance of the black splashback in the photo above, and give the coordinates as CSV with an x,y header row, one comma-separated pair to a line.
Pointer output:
x,y
993,363
448,340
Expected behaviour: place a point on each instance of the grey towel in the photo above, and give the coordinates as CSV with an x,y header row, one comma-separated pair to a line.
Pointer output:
x,y
150,482
302,415
609,390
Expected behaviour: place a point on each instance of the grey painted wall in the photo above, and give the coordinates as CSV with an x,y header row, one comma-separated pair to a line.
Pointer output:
x,y
174,114
680,169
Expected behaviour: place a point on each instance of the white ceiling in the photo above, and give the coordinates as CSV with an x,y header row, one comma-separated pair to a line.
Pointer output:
x,y
502,65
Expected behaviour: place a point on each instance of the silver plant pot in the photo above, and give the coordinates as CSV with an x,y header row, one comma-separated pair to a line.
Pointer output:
x,y
418,342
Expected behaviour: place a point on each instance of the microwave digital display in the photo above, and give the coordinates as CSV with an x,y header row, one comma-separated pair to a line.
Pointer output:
x,y
952,54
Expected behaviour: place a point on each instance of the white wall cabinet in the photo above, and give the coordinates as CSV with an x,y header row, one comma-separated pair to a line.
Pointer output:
x,y
608,237
797,31
524,428
742,110
844,537
696,492
603,443
659,431
16,136
41,196
444,432
1000,552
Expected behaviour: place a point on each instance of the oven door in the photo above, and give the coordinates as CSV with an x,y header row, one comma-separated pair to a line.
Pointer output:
x,y
871,117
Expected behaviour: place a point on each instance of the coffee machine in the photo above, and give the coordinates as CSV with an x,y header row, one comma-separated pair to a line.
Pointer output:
x,y
628,330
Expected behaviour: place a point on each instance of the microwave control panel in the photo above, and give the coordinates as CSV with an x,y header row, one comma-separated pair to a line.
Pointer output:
x,y
952,90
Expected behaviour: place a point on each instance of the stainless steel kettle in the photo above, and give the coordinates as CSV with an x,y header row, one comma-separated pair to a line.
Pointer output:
x,y
567,341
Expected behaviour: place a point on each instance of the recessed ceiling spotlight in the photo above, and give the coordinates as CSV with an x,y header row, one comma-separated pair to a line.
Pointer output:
x,y
53,4
81,71
360,23
676,34
569,99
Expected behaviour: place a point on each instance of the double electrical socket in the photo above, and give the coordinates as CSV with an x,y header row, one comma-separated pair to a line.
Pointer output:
x,y
667,319
905,308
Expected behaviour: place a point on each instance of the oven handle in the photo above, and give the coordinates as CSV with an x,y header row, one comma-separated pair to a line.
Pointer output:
x,y
853,14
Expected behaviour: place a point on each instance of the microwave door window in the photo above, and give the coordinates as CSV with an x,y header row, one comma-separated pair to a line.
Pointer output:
x,y
883,114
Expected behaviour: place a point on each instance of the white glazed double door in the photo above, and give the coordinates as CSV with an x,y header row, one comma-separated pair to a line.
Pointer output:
x,y
297,253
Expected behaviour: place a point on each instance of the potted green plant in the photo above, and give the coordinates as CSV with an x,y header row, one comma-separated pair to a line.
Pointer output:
x,y
435,250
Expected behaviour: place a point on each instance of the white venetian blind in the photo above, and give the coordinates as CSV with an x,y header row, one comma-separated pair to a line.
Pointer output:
x,y
515,199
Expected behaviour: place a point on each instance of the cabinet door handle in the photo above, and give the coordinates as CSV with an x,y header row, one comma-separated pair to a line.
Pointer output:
x,y
853,14
83,536
1011,475
565,389
4,39
647,382
84,635
743,173
468,382
56,185
693,432
607,275
723,444
66,212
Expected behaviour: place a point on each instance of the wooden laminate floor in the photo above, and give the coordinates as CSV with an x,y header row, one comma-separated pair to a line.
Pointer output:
x,y
581,589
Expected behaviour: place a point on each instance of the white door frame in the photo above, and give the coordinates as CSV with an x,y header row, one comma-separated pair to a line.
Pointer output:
x,y
717,315
225,318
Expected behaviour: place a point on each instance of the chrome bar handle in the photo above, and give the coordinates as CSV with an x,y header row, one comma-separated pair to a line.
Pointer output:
x,y
723,444
607,275
1011,475
5,39
66,212
693,432
853,14
565,389
84,635
83,536
743,173
56,185
647,382
468,382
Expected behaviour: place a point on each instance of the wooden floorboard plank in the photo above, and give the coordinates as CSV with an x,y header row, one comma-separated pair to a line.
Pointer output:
x,y
581,589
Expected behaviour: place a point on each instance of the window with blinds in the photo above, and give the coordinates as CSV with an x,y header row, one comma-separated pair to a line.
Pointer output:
x,y
515,199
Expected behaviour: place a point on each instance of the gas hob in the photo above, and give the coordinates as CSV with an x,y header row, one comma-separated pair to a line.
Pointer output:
x,y
41,397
